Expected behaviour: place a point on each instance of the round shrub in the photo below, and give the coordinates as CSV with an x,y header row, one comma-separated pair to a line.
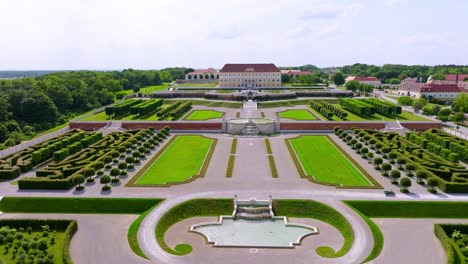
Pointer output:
x,y
377,161
106,188
136,154
130,159
405,182
395,174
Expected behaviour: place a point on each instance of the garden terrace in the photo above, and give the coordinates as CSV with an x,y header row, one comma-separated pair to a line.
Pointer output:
x,y
451,176
335,168
57,148
108,150
297,115
204,115
174,164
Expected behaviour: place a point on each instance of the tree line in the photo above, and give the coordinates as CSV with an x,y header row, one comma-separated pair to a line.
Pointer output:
x,y
33,104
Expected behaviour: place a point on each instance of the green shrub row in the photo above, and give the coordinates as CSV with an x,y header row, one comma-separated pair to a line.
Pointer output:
x,y
230,167
338,112
357,106
322,110
122,108
163,113
234,146
383,107
146,107
180,110
273,169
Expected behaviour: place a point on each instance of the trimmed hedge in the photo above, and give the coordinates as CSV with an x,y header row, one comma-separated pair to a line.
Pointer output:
x,y
452,250
122,108
230,167
77,205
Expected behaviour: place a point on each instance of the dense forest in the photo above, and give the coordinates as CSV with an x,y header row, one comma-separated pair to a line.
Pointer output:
x,y
30,105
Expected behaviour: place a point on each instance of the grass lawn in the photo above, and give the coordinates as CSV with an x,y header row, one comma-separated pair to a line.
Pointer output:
x,y
101,116
323,162
77,205
204,115
154,88
182,160
297,115
198,85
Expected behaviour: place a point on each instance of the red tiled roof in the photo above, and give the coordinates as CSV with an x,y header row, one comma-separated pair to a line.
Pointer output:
x,y
431,87
441,88
203,71
453,77
366,79
409,80
254,67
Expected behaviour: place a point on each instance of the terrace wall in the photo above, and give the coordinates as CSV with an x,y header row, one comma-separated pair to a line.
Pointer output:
x,y
180,125
421,126
330,125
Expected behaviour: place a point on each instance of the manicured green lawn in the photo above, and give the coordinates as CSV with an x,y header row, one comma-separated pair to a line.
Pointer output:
x,y
96,117
297,115
179,162
77,205
204,115
325,163
154,88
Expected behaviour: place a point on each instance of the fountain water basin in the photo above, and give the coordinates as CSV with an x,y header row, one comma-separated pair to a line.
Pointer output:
x,y
253,224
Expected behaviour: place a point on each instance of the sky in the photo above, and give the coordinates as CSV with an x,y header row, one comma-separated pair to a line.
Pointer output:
x,y
154,34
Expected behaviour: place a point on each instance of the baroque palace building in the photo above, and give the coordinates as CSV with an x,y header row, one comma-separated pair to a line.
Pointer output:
x,y
250,76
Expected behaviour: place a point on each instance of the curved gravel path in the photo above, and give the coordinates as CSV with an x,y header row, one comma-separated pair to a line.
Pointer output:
x,y
360,249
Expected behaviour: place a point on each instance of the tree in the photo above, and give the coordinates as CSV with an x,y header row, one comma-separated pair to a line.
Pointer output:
x,y
385,151
420,176
99,166
457,117
405,182
107,160
352,85
401,161
405,100
418,104
123,166
432,183
338,79
386,167
89,173
115,172
285,78
395,174
461,103
410,168
377,161
392,156
105,180
364,152
78,179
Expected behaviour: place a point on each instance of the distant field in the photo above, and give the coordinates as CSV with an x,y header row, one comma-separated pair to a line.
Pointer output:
x,y
183,159
297,115
204,115
154,88
323,162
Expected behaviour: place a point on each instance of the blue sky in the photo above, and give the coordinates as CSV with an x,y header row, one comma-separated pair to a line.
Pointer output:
x,y
152,34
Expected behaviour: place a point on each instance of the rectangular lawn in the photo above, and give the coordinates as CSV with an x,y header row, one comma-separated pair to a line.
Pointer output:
x,y
204,115
297,115
181,160
325,163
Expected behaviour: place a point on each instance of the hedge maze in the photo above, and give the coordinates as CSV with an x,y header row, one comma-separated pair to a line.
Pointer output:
x,y
433,155
370,106
143,108
80,154
56,149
